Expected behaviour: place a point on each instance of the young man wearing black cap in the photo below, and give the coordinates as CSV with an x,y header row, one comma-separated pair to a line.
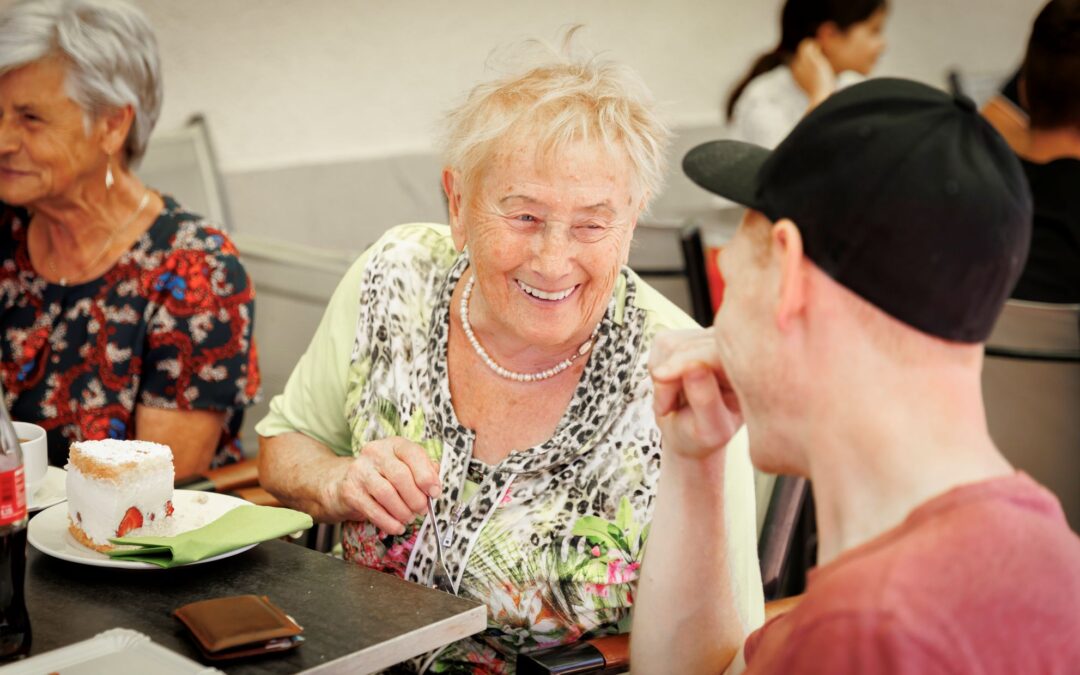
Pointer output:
x,y
883,236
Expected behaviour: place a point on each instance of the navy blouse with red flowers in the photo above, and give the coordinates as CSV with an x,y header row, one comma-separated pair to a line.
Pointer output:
x,y
169,326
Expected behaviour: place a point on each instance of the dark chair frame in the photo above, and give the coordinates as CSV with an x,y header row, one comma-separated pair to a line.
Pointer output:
x,y
693,269
787,545
694,258
1032,355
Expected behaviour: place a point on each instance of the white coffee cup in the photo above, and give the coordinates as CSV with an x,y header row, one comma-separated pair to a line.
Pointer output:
x,y
35,450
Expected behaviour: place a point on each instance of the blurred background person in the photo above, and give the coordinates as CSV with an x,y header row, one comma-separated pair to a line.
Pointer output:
x,y
1038,113
498,368
124,316
823,44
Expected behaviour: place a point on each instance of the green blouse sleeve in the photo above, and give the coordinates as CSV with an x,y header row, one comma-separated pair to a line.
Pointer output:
x,y
313,402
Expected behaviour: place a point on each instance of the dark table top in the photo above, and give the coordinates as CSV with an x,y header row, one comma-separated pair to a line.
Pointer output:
x,y
355,619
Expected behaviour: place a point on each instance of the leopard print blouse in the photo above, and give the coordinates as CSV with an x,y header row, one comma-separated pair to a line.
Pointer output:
x,y
550,538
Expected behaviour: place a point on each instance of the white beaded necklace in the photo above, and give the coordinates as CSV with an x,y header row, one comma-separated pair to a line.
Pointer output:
x,y
509,374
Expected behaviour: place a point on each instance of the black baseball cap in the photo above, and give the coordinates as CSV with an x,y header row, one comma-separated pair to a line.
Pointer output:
x,y
902,193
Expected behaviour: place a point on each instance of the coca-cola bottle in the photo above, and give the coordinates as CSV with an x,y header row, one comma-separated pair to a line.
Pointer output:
x,y
14,621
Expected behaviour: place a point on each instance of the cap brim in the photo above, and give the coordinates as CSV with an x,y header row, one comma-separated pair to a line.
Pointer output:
x,y
728,168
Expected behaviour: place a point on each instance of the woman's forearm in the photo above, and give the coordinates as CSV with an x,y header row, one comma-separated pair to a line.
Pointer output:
x,y
300,472
685,615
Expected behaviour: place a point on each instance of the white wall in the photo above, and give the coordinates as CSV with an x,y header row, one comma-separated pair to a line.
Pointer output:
x,y
291,82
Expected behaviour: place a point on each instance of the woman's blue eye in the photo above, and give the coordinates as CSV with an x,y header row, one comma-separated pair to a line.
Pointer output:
x,y
528,218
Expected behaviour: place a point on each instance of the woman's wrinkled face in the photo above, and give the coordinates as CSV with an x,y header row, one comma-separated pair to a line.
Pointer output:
x,y
547,237
44,147
859,47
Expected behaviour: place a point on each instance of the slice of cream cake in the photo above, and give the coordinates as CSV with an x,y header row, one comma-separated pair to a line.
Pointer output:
x,y
114,487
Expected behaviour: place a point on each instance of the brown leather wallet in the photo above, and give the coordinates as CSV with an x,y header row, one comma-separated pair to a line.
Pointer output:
x,y
238,626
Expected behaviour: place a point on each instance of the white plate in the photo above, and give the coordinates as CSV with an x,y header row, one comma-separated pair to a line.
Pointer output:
x,y
119,651
48,530
53,490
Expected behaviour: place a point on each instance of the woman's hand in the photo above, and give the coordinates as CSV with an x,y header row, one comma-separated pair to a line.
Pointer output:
x,y
387,485
695,405
813,72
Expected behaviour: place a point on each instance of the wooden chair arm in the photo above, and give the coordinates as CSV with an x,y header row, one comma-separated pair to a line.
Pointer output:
x,y
257,495
230,477
240,479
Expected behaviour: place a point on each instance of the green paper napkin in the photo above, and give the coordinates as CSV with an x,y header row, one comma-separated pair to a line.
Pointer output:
x,y
248,524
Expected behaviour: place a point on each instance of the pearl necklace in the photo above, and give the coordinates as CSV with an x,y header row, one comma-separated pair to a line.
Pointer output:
x,y
509,374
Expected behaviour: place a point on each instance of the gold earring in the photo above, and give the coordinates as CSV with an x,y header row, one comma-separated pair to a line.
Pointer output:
x,y
109,181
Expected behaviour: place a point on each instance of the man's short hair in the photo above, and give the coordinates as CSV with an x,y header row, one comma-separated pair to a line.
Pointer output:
x,y
1051,71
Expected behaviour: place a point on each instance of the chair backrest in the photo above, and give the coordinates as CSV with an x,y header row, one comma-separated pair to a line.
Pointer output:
x,y
1031,389
293,281
670,258
180,162
293,285
1038,331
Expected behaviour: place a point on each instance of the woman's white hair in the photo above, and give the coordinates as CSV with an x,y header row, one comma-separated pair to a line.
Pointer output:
x,y
110,49
562,99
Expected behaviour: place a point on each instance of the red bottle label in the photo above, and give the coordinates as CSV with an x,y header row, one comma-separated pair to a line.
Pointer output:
x,y
12,496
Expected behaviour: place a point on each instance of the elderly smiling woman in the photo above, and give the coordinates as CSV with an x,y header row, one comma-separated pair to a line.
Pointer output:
x,y
498,369
122,315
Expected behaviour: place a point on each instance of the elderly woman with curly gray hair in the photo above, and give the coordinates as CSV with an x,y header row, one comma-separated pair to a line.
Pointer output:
x,y
123,315
475,405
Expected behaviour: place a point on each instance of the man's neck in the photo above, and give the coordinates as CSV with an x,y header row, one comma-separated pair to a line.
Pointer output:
x,y
888,456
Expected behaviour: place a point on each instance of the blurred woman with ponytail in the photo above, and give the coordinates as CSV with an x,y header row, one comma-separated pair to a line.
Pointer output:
x,y
824,44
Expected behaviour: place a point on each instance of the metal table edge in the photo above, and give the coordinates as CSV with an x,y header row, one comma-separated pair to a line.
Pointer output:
x,y
377,657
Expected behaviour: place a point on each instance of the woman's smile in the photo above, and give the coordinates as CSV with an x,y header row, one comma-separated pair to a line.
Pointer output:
x,y
9,173
551,297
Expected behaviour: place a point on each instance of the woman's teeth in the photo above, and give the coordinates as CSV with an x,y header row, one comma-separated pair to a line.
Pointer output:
x,y
544,295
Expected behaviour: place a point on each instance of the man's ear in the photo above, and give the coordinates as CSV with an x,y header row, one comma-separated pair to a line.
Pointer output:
x,y
114,125
787,251
452,188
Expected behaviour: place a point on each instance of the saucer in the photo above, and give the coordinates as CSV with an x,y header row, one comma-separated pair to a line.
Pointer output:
x,y
52,490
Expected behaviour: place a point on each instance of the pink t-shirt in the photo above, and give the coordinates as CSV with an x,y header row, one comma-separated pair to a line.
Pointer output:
x,y
983,579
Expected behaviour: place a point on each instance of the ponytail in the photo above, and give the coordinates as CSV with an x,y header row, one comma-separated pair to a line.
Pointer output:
x,y
766,62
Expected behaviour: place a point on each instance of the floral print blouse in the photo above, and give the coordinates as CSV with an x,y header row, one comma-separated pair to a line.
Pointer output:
x,y
551,538
168,326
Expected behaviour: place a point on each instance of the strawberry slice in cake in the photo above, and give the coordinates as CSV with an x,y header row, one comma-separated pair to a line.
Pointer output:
x,y
115,487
